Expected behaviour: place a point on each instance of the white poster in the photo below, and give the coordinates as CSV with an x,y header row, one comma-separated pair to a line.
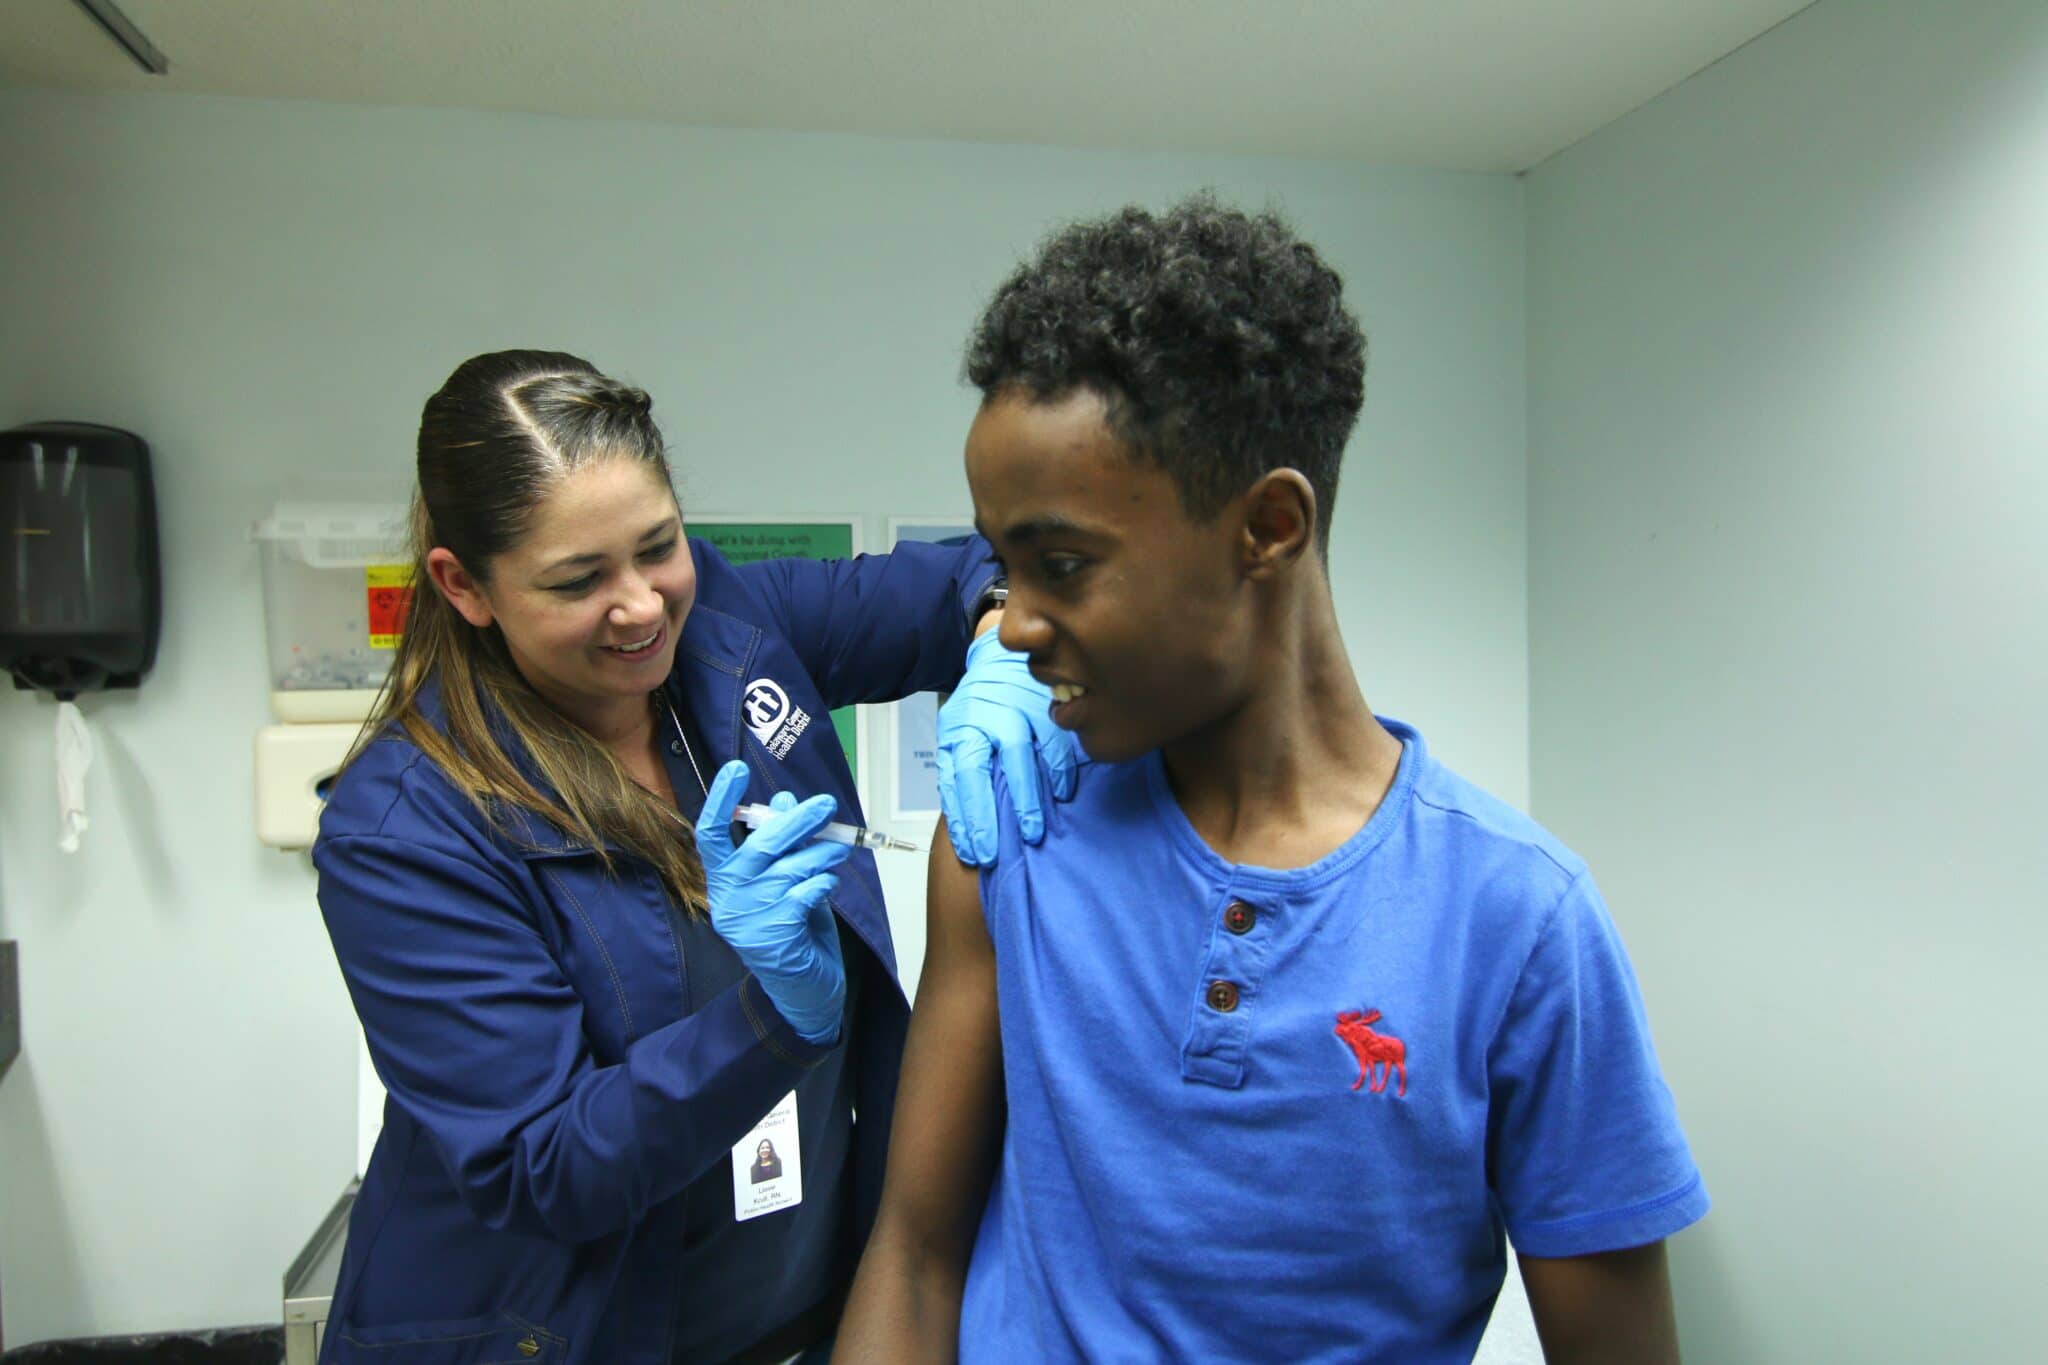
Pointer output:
x,y
914,721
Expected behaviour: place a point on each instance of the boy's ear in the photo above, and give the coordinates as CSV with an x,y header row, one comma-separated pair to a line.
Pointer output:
x,y
1279,522
459,586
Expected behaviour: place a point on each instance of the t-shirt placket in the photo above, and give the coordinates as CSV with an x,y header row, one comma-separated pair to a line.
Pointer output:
x,y
1242,922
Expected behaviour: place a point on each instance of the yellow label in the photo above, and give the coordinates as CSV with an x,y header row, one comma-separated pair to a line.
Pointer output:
x,y
389,589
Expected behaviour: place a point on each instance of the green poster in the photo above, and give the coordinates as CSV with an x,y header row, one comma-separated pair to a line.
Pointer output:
x,y
744,542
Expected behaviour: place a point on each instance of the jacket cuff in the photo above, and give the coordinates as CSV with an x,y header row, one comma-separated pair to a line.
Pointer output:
x,y
776,1033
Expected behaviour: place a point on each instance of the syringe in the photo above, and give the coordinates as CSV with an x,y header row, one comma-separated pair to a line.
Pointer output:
x,y
755,815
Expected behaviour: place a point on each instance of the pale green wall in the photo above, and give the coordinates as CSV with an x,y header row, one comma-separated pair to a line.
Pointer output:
x,y
1788,344
266,289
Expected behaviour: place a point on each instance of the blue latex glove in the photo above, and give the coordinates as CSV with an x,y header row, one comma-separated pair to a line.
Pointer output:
x,y
999,714
768,901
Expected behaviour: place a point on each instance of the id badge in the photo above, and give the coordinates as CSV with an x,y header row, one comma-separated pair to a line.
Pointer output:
x,y
768,1165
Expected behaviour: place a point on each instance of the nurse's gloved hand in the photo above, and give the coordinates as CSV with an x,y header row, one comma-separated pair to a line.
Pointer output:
x,y
768,901
999,714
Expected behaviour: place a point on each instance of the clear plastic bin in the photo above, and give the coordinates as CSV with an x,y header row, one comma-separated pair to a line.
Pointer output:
x,y
335,588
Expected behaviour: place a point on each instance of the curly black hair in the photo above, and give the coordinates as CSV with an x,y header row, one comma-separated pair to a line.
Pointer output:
x,y
1218,339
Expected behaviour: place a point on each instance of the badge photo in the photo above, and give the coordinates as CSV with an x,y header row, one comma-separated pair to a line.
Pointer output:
x,y
768,1164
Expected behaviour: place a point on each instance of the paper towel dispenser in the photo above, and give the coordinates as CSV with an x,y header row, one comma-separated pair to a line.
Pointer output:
x,y
81,597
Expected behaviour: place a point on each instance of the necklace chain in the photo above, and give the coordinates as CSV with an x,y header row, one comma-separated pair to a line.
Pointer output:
x,y
684,740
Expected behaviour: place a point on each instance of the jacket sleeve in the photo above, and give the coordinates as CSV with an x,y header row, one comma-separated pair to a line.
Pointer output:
x,y
877,627
478,1036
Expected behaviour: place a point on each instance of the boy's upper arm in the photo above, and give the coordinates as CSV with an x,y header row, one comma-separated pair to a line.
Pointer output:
x,y
949,1103
1610,1307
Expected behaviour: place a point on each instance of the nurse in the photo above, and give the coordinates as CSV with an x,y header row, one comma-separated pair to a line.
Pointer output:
x,y
591,1006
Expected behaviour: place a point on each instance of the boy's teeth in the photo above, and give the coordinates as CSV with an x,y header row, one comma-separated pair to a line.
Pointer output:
x,y
636,648
1066,692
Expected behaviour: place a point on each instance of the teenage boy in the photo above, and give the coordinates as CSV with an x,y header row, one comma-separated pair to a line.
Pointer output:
x,y
1260,1053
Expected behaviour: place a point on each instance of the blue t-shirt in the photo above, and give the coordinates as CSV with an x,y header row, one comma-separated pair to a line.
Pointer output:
x,y
1286,1115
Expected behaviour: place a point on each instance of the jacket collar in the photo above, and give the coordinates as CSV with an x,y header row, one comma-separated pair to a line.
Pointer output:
x,y
712,657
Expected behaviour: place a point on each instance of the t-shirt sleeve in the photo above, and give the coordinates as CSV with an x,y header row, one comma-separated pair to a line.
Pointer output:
x,y
1584,1150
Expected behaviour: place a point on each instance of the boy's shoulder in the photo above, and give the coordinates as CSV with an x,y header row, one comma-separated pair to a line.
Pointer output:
x,y
1471,814
1491,865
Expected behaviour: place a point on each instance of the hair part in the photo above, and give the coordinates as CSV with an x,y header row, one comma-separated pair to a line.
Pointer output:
x,y
494,442
1218,341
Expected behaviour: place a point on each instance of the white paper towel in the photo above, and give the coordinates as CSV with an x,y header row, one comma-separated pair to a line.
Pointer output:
x,y
74,757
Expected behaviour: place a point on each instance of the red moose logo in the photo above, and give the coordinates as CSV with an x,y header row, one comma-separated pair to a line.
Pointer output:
x,y
1373,1050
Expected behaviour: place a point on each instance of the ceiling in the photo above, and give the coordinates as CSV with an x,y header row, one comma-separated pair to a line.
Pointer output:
x,y
1482,85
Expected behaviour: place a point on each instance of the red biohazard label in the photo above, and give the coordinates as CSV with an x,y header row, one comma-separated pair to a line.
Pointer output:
x,y
390,596
1379,1053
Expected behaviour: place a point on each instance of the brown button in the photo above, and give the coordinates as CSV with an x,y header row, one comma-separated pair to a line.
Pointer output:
x,y
1239,918
1222,996
528,1346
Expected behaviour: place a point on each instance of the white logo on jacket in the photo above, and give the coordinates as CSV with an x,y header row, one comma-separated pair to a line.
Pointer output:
x,y
775,720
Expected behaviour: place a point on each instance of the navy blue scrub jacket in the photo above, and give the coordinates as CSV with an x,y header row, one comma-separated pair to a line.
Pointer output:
x,y
550,1095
